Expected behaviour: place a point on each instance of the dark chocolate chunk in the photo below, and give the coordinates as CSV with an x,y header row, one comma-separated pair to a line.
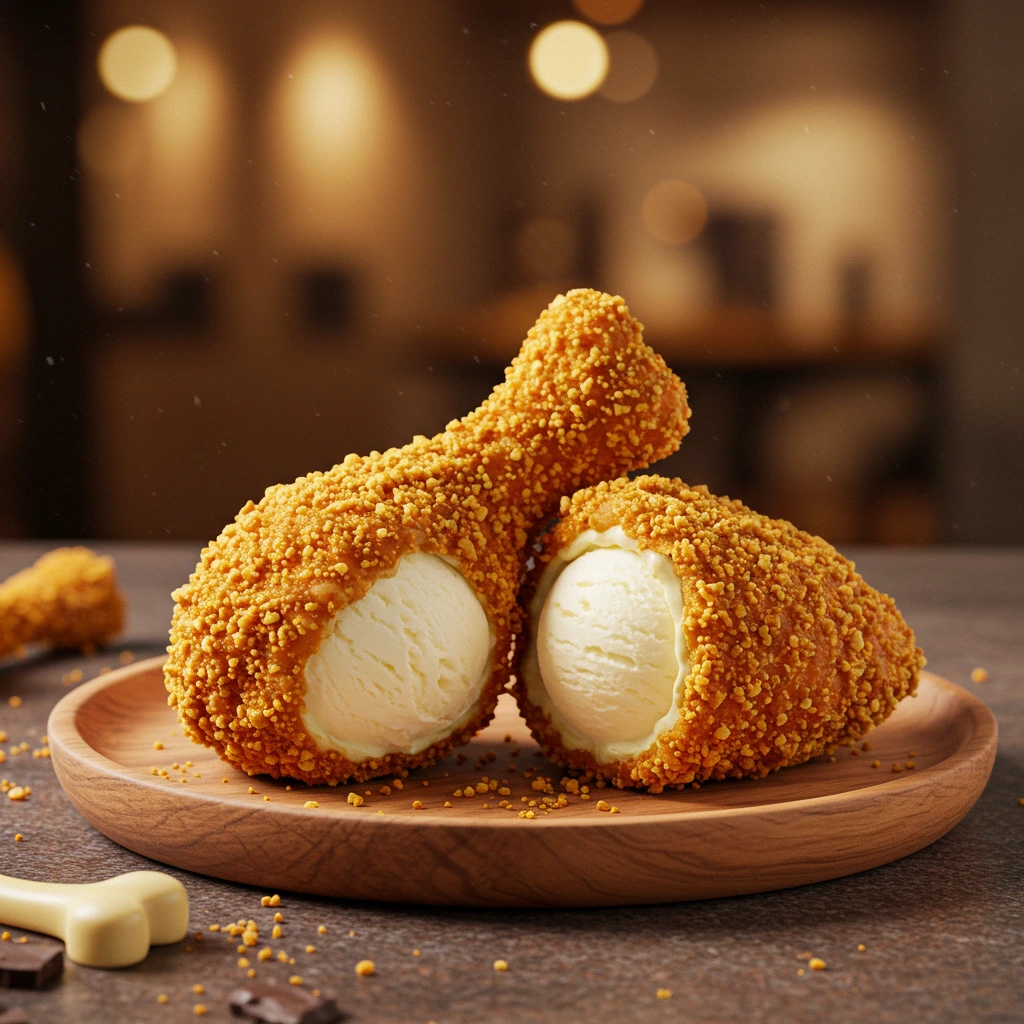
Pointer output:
x,y
15,1016
283,1004
29,965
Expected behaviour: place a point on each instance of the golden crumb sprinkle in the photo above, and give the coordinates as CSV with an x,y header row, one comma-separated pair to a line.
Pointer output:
x,y
295,980
311,949
365,967
800,972
664,993
979,675
243,961
816,964
19,792
198,989
356,800
158,745
279,917
199,1010
162,998
275,901
501,965
15,701
417,805
584,400
312,805
861,947
18,837
322,929
415,952
603,805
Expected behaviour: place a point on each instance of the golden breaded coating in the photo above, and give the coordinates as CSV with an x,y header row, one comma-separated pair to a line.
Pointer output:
x,y
584,399
68,599
790,651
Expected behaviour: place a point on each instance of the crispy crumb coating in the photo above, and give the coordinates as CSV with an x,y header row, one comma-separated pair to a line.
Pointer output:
x,y
68,599
584,399
791,652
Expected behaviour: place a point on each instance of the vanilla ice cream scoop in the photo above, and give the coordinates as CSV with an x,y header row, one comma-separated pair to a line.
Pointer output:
x,y
609,652
398,669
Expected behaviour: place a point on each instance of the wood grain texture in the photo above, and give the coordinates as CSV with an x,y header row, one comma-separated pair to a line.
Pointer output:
x,y
806,824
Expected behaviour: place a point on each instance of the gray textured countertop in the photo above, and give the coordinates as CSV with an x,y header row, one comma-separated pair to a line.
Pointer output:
x,y
943,930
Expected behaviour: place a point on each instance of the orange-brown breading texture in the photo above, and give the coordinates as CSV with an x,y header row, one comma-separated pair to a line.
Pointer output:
x,y
584,399
791,651
68,599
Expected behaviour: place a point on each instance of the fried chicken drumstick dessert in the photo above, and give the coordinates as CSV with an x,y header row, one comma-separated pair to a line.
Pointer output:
x,y
358,622
68,599
671,636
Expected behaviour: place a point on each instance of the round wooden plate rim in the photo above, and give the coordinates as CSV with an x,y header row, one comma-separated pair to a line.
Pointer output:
x,y
63,735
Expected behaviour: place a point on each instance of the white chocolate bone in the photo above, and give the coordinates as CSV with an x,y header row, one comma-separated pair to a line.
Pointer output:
x,y
103,924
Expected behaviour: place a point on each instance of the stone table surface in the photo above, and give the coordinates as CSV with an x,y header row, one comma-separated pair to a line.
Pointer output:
x,y
943,929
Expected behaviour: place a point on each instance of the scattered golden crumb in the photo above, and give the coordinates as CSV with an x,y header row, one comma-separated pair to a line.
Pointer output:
x,y
385,791
397,783
896,766
18,837
316,992
162,998
275,901
199,1010
415,952
18,792
24,939
198,989
243,961
501,965
15,702
223,780
979,675
5,937
311,949
279,917
816,964
266,799
282,956
294,980
417,805
800,971
614,809
664,993
351,934
251,791
603,805
910,765
322,929
265,953
447,803
157,745
1021,801
275,932
861,947
126,657
866,746
355,800
365,967
876,764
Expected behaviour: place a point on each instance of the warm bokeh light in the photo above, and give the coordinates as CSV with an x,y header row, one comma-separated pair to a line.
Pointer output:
x,y
137,63
14,309
674,212
632,68
568,60
608,12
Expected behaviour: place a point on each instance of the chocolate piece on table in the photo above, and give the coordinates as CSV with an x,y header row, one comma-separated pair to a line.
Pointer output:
x,y
283,1004
29,965
16,1015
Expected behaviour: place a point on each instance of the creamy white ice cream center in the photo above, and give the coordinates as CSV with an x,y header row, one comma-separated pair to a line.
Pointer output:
x,y
608,659
402,667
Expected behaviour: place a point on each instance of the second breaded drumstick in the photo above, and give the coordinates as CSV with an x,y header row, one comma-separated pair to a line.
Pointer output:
x,y
357,622
672,636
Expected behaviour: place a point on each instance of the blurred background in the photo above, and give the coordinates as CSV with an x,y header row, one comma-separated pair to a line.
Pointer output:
x,y
241,239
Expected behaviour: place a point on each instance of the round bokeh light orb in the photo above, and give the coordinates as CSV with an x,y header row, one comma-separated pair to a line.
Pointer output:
x,y
608,12
137,63
568,60
674,212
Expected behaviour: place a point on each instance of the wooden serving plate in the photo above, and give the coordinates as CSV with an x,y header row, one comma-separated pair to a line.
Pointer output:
x,y
821,820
